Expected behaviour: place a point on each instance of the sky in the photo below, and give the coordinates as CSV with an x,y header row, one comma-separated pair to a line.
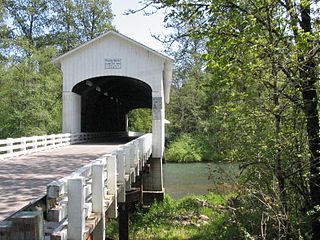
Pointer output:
x,y
137,26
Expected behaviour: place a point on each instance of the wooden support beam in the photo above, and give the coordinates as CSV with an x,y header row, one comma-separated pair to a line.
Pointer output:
x,y
5,230
27,225
123,221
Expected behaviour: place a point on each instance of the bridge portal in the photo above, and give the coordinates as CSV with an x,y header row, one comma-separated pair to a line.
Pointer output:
x,y
106,101
106,78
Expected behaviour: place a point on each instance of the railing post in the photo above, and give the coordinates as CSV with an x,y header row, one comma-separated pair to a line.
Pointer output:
x,y
60,139
76,213
23,145
68,138
141,160
45,142
137,157
127,148
98,199
121,174
132,161
34,143
112,185
10,145
53,139
127,159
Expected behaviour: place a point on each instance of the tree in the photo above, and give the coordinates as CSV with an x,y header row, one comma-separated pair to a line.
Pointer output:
x,y
78,21
34,32
264,55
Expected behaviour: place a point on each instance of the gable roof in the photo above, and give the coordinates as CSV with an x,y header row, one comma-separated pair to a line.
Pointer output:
x,y
84,45
168,62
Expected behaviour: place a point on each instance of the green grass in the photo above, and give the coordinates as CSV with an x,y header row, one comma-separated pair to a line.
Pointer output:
x,y
197,217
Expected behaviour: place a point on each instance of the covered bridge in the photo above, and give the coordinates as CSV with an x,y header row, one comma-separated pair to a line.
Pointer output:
x,y
106,78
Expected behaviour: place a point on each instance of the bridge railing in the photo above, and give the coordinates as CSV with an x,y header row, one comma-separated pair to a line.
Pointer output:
x,y
76,204
12,147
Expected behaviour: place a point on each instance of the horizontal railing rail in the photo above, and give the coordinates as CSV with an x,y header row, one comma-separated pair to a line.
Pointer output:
x,y
77,205
79,201
13,147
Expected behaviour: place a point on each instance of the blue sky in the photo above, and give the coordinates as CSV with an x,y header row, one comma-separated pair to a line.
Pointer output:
x,y
137,26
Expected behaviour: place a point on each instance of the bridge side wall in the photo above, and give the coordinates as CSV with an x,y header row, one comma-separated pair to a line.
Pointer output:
x,y
71,112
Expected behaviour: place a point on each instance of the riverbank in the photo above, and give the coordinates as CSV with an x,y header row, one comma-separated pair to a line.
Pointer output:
x,y
193,217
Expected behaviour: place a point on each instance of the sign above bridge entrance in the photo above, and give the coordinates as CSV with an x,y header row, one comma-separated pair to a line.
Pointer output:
x,y
112,63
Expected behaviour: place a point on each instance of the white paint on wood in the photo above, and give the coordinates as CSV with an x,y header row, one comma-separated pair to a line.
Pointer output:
x,y
76,213
13,147
71,112
121,174
112,185
125,58
158,136
137,61
98,188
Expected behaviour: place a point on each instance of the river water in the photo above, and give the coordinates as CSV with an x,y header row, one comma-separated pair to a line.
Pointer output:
x,y
182,179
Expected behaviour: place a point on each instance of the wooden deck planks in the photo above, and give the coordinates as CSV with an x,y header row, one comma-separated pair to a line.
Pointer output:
x,y
23,179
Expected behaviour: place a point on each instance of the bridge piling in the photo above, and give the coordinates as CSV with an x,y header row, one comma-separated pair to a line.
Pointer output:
x,y
123,221
5,230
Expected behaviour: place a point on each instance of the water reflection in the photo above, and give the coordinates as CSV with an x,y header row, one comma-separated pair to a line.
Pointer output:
x,y
197,178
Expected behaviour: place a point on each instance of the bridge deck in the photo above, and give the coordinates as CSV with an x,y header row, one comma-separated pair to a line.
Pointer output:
x,y
23,179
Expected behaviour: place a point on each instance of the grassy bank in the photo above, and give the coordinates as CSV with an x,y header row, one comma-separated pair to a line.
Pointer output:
x,y
196,217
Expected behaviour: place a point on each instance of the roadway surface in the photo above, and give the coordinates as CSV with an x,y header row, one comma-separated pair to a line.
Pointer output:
x,y
23,179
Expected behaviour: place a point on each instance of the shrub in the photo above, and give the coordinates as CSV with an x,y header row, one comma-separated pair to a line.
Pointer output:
x,y
184,149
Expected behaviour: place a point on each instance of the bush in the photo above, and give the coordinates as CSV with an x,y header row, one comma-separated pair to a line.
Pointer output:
x,y
184,149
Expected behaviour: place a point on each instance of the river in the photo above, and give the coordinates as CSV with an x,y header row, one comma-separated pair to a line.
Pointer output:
x,y
182,179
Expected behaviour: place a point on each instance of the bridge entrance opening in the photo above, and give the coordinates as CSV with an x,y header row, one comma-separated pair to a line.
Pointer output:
x,y
106,102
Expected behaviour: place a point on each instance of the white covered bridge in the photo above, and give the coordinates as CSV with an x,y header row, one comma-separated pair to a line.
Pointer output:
x,y
64,186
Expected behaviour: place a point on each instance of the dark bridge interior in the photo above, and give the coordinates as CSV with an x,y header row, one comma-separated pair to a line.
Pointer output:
x,y
105,101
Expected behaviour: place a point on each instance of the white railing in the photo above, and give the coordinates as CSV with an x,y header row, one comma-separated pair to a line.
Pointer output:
x,y
76,204
12,147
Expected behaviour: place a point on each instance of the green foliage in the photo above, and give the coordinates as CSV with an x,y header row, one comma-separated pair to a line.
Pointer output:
x,y
195,217
31,94
79,21
140,120
32,33
183,149
252,89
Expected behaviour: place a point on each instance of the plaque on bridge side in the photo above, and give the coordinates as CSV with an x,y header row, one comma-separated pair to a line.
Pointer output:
x,y
112,63
156,108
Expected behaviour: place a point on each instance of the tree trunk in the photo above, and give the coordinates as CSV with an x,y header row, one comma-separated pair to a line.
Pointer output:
x,y
310,100
308,76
